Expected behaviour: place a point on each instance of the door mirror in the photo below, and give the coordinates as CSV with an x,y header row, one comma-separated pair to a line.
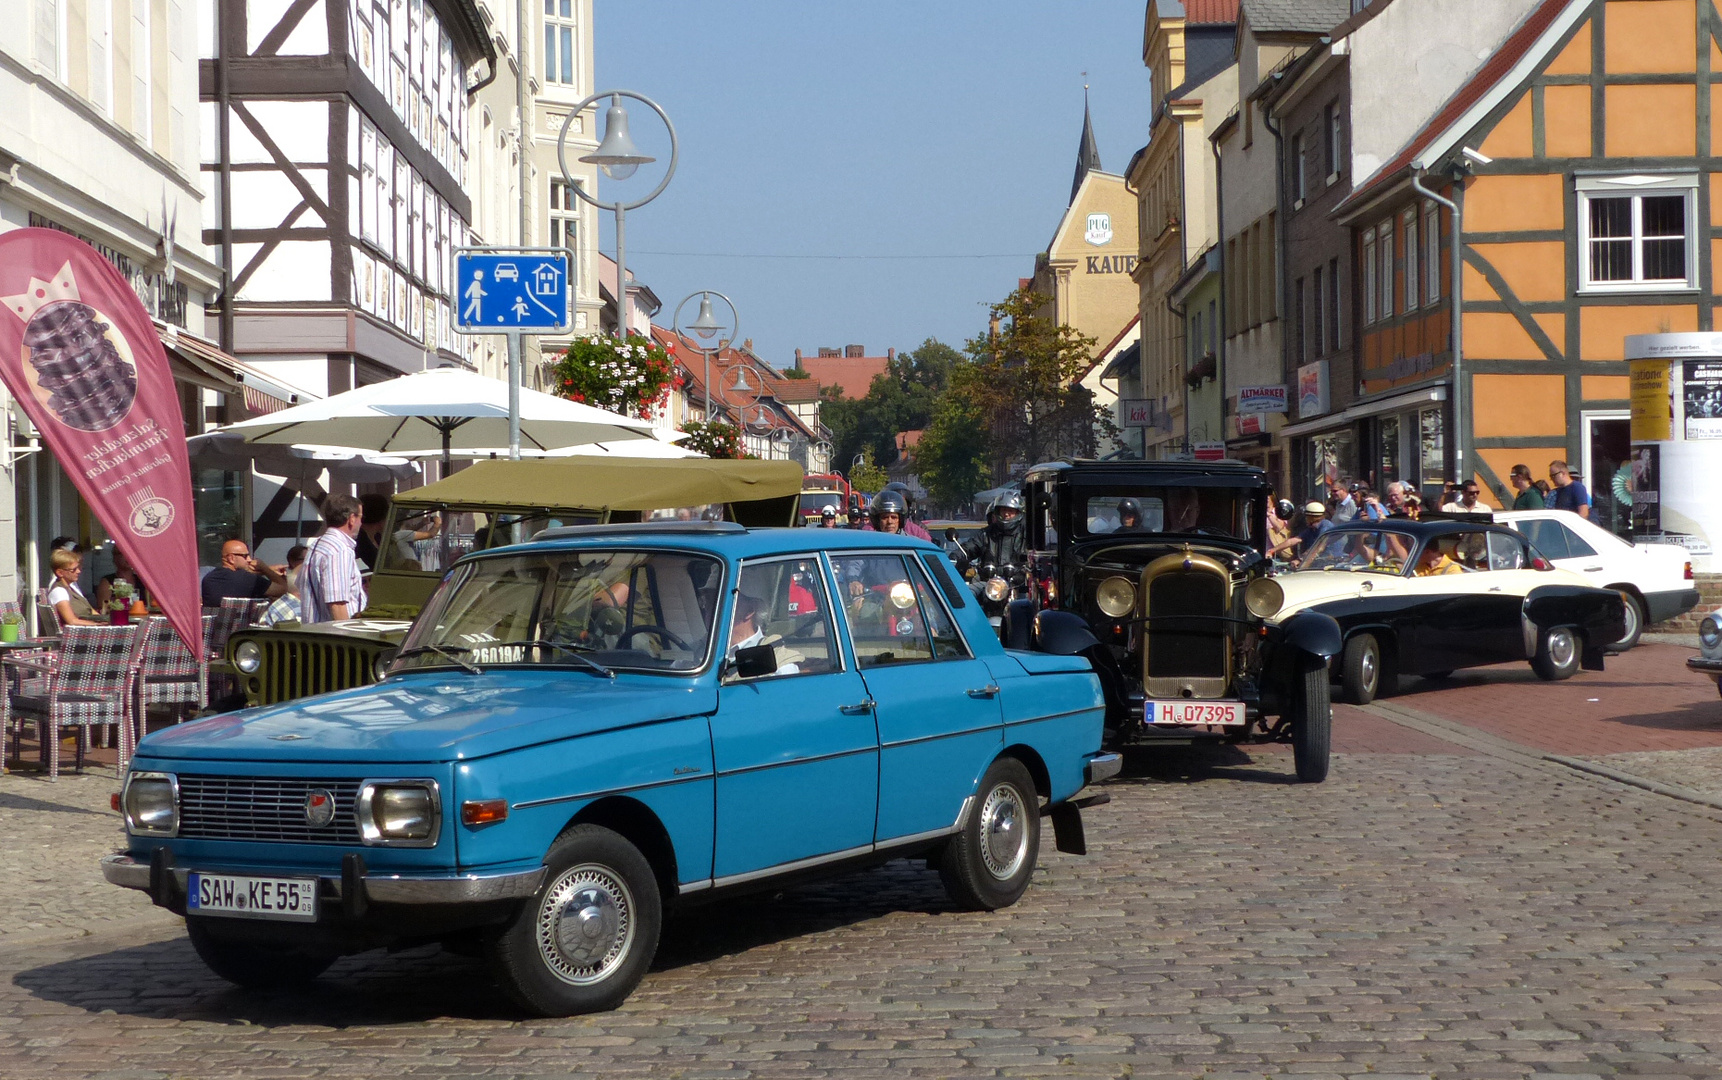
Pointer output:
x,y
755,661
950,534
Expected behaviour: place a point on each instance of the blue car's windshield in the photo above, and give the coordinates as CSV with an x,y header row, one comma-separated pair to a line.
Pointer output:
x,y
599,609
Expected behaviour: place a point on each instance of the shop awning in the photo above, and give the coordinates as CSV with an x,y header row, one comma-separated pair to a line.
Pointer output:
x,y
201,362
1375,407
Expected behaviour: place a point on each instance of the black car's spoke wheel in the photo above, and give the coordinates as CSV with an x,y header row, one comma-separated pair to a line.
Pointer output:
x,y
1557,654
251,964
1312,724
1360,670
988,864
1634,621
586,939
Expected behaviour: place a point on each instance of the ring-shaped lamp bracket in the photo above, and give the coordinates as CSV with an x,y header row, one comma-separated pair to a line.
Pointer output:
x,y
734,320
562,150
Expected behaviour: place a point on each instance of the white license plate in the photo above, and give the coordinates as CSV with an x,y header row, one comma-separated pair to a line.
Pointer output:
x,y
252,897
1193,713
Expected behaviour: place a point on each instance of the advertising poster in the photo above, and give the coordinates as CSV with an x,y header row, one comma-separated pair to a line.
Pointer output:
x,y
1312,399
82,357
1652,406
1261,399
1646,490
1701,398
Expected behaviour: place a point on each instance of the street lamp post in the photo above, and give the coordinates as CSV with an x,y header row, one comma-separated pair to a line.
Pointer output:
x,y
619,158
706,326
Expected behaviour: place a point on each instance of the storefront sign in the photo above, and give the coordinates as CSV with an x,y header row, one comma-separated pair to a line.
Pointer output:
x,y
1208,451
1646,490
1701,395
1261,399
80,354
1652,409
1312,398
1136,412
1250,424
1111,264
1099,230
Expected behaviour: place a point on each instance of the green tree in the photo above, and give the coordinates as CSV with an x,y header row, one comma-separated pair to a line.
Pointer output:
x,y
902,398
868,477
952,456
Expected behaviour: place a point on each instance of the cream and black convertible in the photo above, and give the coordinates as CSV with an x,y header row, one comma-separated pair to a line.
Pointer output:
x,y
1429,597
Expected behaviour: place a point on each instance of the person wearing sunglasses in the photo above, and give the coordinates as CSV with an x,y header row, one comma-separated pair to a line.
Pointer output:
x,y
240,575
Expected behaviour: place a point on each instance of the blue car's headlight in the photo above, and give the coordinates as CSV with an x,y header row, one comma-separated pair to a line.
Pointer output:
x,y
151,804
402,813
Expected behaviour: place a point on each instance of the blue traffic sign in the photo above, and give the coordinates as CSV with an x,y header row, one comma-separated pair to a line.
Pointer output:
x,y
503,291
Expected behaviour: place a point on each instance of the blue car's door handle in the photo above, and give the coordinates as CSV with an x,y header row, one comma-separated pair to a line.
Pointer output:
x,y
858,709
985,691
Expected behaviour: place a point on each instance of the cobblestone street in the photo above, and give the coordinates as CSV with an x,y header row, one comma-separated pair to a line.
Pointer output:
x,y
1434,909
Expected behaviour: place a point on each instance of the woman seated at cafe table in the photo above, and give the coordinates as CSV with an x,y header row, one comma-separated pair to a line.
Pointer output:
x,y
64,596
123,571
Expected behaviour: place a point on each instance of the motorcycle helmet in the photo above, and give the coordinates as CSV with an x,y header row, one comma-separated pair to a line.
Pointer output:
x,y
888,502
1008,500
1285,509
1129,508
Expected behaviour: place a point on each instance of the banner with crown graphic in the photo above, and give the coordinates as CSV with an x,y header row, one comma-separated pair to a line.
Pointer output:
x,y
81,355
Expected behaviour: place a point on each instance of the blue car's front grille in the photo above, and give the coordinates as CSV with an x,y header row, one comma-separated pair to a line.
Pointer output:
x,y
263,808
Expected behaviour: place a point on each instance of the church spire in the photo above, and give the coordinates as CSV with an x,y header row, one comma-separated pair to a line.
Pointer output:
x,y
1087,154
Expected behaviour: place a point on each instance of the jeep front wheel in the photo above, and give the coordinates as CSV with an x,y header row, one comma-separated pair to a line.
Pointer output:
x,y
586,938
1311,723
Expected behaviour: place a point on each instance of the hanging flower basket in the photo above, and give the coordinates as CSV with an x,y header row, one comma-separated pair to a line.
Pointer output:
x,y
632,376
715,439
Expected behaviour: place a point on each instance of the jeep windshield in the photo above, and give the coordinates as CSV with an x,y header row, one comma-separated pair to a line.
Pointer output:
x,y
589,609
1381,551
1207,511
418,541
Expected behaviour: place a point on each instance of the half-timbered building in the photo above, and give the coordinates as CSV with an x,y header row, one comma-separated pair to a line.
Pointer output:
x,y
1580,155
339,162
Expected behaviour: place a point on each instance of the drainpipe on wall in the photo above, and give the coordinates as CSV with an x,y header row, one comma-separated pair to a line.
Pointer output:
x,y
1220,248
1281,227
1459,399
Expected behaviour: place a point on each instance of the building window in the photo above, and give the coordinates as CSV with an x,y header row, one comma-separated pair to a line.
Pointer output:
x,y
1299,161
559,41
1335,141
1333,303
1413,257
1368,276
1318,309
1384,248
564,215
49,35
1636,233
1299,345
101,56
1432,253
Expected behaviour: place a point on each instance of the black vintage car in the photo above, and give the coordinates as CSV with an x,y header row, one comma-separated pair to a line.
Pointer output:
x,y
1428,597
1164,563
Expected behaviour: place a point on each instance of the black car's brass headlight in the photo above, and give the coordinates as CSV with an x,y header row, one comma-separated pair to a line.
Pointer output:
x,y
1116,597
1263,598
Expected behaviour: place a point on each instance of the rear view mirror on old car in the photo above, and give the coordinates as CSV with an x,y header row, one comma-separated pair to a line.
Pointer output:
x,y
755,661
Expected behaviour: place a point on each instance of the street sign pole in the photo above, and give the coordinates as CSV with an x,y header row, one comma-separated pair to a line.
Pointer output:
x,y
513,397
513,291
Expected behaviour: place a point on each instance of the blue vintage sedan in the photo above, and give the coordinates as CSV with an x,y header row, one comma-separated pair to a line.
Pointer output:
x,y
585,730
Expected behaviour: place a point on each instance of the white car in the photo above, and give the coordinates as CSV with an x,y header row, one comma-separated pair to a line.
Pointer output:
x,y
1708,662
1655,580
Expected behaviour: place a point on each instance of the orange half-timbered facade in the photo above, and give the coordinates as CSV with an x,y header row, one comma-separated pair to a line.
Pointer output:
x,y
1582,158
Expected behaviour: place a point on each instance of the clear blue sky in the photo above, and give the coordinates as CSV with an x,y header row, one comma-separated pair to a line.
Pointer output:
x,y
882,128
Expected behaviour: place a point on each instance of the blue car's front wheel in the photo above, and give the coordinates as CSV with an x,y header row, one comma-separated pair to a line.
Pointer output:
x,y
586,938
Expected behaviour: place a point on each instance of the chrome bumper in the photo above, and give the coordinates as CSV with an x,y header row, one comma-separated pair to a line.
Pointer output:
x,y
123,870
1104,767
1703,666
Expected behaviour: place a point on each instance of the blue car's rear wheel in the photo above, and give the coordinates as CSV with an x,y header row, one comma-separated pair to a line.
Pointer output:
x,y
586,938
988,864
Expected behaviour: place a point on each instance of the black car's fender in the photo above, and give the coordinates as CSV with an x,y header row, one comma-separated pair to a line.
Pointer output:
x,y
1063,633
1313,632
1599,615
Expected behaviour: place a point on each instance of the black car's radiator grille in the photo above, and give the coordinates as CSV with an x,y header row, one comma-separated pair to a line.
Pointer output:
x,y
1179,645
295,667
263,808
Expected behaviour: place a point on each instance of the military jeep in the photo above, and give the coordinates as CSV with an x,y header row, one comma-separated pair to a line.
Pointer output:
x,y
492,504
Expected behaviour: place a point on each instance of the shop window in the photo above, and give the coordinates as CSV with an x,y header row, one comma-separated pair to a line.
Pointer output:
x,y
1432,447
1388,470
1636,233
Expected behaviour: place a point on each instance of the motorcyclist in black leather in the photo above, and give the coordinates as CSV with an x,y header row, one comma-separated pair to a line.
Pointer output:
x,y
1004,541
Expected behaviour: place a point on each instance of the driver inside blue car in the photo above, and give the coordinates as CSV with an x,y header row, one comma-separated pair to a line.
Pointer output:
x,y
745,633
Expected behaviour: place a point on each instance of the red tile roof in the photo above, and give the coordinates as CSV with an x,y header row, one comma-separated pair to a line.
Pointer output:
x,y
852,375
1518,43
1210,12
777,390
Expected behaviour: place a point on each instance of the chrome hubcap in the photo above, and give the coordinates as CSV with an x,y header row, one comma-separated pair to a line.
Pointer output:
x,y
1631,619
1561,647
1004,832
585,924
1368,669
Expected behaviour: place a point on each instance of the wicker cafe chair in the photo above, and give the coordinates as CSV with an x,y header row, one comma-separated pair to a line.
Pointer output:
x,y
170,673
91,684
218,625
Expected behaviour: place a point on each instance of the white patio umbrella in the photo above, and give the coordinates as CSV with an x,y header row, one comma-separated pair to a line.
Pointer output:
x,y
661,445
446,410
224,450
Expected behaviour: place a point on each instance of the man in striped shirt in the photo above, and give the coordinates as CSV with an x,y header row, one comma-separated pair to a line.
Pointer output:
x,y
329,585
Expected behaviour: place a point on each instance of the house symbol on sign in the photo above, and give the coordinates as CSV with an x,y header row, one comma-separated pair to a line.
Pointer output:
x,y
547,280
